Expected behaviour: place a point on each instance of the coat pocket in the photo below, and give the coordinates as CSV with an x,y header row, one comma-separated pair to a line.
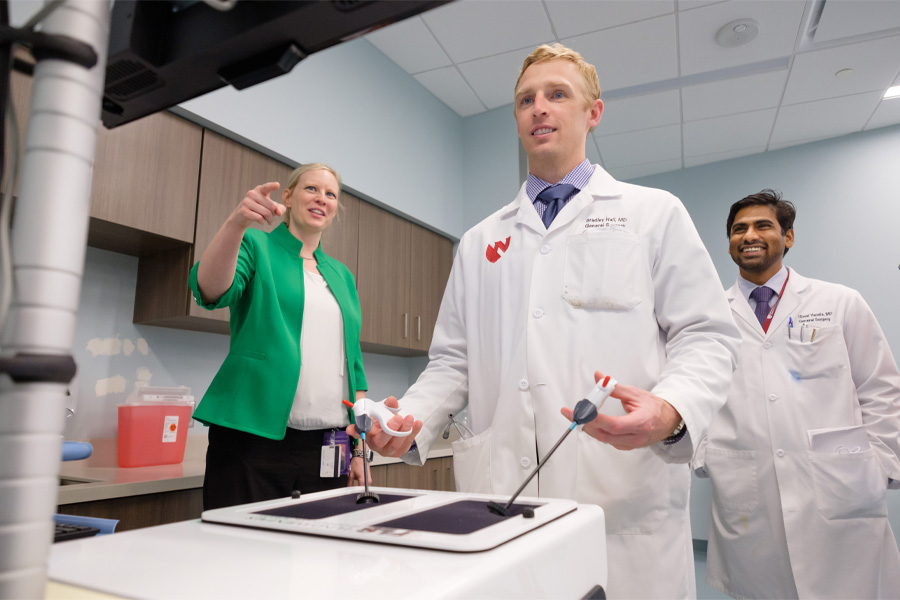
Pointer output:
x,y
825,357
472,464
734,479
603,270
849,486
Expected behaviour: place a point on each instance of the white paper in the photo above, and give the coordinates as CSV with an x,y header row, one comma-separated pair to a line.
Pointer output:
x,y
841,440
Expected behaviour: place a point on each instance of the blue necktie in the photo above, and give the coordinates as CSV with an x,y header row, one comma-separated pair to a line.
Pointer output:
x,y
762,295
554,197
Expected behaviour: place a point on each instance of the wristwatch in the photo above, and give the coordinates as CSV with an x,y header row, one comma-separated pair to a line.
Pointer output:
x,y
676,435
358,453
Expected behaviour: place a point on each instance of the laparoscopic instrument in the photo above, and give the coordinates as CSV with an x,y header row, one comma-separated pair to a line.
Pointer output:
x,y
364,411
584,412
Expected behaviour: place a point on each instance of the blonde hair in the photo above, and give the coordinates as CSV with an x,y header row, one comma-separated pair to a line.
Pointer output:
x,y
295,178
590,83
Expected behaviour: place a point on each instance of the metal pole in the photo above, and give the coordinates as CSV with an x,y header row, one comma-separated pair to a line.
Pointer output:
x,y
48,239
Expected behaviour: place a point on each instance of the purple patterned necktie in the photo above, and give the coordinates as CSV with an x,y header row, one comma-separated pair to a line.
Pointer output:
x,y
762,295
554,197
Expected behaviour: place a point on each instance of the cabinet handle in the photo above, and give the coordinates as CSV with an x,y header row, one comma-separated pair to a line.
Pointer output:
x,y
405,325
418,328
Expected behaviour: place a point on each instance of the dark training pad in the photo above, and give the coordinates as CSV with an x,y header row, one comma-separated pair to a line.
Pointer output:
x,y
329,507
459,518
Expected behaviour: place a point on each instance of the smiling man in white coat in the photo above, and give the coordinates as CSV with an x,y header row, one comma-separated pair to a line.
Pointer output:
x,y
600,275
802,454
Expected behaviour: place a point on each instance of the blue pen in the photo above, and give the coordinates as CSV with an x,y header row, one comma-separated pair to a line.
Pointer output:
x,y
790,326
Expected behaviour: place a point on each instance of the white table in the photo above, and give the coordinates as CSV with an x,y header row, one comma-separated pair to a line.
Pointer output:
x,y
565,558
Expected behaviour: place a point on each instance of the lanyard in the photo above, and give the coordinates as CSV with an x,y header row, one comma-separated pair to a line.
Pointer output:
x,y
771,314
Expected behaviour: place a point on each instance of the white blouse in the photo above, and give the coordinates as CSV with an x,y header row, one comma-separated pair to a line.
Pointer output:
x,y
322,384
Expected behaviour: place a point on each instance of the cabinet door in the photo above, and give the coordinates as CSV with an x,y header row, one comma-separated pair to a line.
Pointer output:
x,y
341,240
144,189
145,178
431,256
227,172
383,279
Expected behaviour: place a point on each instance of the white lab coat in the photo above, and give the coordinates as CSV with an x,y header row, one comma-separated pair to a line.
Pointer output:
x,y
787,520
621,283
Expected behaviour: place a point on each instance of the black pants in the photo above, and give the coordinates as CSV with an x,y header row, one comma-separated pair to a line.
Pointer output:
x,y
242,467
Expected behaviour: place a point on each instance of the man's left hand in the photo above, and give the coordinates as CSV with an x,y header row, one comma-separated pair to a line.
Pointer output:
x,y
649,419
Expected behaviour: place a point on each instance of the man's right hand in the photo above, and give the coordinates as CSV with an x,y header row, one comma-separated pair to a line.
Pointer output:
x,y
257,207
386,444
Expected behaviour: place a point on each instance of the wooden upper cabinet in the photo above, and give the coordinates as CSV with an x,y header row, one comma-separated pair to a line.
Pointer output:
x,y
227,171
383,279
431,257
144,189
145,180
403,270
341,240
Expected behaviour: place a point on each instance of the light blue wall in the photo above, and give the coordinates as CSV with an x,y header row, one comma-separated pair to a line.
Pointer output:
x,y
160,356
351,107
491,164
847,194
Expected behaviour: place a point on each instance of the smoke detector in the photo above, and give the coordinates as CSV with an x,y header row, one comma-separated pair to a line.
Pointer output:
x,y
737,33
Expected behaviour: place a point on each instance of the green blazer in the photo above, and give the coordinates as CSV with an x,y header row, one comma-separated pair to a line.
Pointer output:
x,y
255,386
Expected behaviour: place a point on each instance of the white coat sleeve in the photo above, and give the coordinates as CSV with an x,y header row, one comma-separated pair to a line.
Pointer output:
x,y
877,382
442,388
702,341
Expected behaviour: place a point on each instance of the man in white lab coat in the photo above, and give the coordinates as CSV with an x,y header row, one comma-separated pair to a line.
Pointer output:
x,y
620,281
802,454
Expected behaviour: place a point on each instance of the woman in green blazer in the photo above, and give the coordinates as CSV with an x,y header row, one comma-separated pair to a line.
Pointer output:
x,y
294,353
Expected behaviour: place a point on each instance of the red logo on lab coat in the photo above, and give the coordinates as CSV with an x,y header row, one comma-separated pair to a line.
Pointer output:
x,y
493,252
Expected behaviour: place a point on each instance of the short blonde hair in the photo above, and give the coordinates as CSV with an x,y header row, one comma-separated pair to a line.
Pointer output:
x,y
589,80
295,178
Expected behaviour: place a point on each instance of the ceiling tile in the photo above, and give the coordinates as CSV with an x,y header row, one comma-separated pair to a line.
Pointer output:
x,y
846,18
779,24
783,145
635,171
887,113
639,147
471,29
649,46
448,85
640,112
574,17
732,96
874,66
494,78
727,134
694,161
410,45
825,118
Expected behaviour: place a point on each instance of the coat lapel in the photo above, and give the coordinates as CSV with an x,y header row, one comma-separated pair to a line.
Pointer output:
x,y
741,309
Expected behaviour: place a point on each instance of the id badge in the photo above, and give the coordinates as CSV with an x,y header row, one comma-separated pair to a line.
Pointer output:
x,y
334,461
